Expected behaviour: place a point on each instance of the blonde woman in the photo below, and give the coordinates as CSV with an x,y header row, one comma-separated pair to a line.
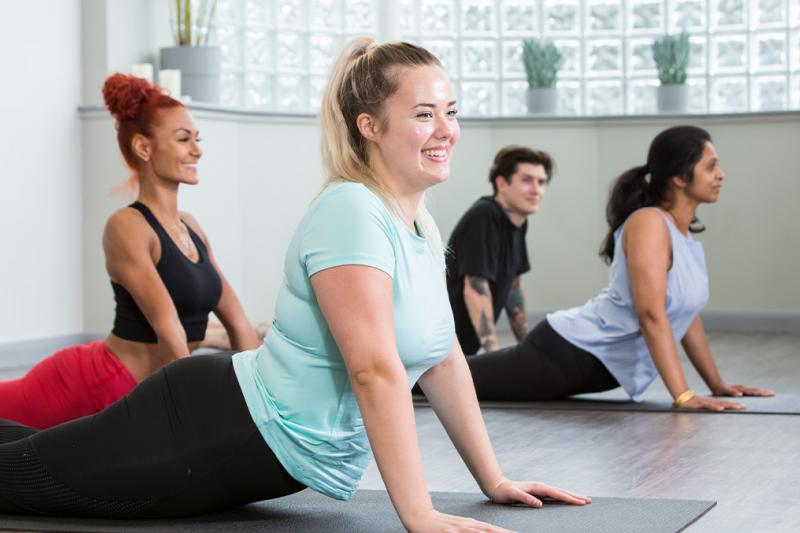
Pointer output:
x,y
362,315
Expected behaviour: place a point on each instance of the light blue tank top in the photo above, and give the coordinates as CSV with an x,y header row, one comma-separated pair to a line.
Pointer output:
x,y
607,326
296,385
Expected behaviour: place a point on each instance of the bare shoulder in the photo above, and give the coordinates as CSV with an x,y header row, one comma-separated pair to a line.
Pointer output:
x,y
127,228
646,239
647,223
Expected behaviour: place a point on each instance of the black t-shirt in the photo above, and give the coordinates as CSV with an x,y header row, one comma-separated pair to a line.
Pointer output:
x,y
484,244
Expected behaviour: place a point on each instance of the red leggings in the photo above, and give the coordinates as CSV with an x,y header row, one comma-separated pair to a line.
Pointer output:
x,y
73,382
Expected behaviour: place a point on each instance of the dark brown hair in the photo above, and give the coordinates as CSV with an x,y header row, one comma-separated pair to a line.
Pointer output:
x,y
507,159
674,152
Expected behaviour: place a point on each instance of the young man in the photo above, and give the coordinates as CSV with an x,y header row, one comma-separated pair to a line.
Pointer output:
x,y
488,252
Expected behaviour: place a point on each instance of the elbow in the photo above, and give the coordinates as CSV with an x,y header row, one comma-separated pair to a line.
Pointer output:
x,y
172,334
651,319
378,377
471,298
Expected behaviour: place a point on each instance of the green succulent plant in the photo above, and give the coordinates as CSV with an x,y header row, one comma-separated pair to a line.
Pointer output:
x,y
671,54
542,60
192,21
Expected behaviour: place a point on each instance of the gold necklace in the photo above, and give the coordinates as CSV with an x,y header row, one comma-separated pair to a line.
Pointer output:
x,y
183,236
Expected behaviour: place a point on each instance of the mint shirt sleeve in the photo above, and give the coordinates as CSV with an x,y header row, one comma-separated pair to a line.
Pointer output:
x,y
349,226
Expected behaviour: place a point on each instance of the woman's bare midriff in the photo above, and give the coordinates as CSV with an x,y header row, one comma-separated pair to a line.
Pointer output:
x,y
140,358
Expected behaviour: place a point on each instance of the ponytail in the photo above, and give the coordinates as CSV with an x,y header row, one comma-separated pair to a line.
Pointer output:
x,y
362,79
673,153
629,193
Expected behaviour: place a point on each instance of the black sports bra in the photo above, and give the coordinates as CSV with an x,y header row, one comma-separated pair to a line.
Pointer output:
x,y
195,289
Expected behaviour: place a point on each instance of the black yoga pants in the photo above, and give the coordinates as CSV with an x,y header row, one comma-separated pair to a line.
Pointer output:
x,y
181,443
544,366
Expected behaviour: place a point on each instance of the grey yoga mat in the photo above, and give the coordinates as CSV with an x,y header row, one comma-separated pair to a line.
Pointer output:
x,y
370,511
617,400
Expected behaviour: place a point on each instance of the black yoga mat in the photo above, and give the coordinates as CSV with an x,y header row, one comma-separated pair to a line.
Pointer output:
x,y
658,401
370,511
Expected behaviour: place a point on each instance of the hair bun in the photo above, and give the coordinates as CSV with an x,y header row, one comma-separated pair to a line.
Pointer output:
x,y
124,95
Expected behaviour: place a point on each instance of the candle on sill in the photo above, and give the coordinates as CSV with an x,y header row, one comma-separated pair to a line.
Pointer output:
x,y
170,82
143,70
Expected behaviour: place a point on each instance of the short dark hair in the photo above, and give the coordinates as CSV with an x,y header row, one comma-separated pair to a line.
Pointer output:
x,y
507,159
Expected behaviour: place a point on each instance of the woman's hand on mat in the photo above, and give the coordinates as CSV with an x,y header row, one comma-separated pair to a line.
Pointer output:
x,y
712,404
739,390
530,493
436,522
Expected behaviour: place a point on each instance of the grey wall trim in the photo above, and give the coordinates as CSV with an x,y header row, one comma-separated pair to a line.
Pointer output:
x,y
780,321
772,321
28,353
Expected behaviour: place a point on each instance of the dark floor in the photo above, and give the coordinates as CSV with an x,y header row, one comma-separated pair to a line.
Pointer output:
x,y
745,463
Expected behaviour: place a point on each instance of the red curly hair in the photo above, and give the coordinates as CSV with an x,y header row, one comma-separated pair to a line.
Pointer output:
x,y
135,104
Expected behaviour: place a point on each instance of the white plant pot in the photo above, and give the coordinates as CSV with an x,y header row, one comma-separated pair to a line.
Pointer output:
x,y
201,70
542,100
673,98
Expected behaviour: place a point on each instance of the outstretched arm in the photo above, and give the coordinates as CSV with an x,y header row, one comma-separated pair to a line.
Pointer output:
x,y
127,243
448,386
515,309
696,346
356,302
647,244
240,332
478,299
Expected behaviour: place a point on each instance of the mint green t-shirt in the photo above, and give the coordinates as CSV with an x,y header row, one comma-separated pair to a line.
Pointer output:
x,y
296,385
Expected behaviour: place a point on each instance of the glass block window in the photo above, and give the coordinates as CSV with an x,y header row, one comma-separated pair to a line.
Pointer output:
x,y
277,53
745,54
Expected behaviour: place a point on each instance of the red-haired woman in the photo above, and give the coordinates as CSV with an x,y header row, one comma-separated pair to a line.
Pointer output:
x,y
162,271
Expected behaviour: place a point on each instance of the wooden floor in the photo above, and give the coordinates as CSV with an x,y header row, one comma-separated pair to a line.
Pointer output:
x,y
744,462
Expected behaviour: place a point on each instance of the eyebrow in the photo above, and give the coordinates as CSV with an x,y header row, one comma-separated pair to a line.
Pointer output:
x,y
433,106
187,130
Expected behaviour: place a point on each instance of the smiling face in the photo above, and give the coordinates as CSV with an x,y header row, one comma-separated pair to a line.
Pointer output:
x,y
708,176
411,143
523,192
173,148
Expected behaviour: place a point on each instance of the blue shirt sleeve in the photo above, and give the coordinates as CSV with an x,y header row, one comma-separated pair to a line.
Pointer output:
x,y
349,226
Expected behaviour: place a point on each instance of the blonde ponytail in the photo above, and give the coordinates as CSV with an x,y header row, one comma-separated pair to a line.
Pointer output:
x,y
360,82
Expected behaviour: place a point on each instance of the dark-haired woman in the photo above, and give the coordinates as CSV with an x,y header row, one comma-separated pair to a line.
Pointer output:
x,y
162,271
658,283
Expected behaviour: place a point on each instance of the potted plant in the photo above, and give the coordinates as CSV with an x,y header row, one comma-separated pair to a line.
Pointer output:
x,y
542,60
671,54
200,64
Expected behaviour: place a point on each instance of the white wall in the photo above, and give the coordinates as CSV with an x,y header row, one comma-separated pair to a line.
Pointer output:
x,y
259,173
40,150
256,179
753,238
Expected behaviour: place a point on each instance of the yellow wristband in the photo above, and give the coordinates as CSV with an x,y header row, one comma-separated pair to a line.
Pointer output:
x,y
684,397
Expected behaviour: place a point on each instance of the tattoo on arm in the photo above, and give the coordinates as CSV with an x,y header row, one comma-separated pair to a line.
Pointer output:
x,y
480,310
479,285
487,335
515,309
486,328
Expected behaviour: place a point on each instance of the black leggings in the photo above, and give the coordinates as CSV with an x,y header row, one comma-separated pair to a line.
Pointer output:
x,y
544,366
181,443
